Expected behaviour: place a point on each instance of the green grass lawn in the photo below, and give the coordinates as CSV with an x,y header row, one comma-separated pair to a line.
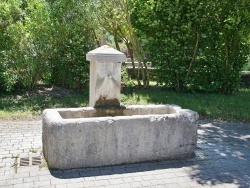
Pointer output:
x,y
212,106
23,105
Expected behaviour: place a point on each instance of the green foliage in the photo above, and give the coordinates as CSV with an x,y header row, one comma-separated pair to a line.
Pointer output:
x,y
30,104
195,45
125,79
23,61
247,66
72,39
114,16
43,40
209,106
214,106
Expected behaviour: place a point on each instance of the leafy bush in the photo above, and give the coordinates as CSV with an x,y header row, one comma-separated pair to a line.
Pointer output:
x,y
23,59
195,45
44,40
247,66
72,39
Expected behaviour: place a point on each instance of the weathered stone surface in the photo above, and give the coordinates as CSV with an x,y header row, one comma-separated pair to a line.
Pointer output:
x,y
75,138
105,83
105,54
105,76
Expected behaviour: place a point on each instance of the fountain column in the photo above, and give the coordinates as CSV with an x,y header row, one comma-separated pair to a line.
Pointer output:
x,y
105,76
109,134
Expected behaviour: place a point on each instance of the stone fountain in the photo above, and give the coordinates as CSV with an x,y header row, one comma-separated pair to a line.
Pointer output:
x,y
108,134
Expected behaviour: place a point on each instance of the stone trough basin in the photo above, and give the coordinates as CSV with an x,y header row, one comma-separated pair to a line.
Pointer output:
x,y
91,137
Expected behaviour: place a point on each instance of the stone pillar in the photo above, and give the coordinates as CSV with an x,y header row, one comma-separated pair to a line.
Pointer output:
x,y
105,76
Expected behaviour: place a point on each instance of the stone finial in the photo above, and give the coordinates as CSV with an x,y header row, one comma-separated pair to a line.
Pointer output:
x,y
105,54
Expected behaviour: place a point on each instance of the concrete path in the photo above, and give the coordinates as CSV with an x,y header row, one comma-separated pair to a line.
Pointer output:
x,y
222,159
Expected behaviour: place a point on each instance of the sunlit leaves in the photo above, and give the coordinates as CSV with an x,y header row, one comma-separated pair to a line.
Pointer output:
x,y
194,44
44,40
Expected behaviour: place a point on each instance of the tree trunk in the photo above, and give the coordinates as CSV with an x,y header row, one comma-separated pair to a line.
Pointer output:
x,y
133,64
116,41
103,40
146,73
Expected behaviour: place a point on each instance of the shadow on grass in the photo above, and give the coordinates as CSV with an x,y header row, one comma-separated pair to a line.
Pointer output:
x,y
35,102
208,105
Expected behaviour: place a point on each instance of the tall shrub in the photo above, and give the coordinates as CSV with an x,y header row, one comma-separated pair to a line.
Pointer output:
x,y
114,16
23,56
44,40
195,44
72,37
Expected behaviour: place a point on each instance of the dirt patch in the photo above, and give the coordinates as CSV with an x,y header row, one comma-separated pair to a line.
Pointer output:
x,y
28,105
43,90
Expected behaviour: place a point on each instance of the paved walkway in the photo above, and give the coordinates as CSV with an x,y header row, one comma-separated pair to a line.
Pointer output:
x,y
222,160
